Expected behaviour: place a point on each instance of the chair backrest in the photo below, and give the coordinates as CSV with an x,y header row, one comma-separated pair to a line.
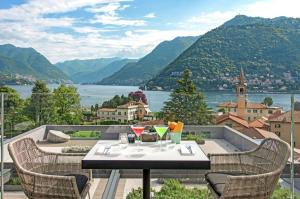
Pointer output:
x,y
26,154
271,155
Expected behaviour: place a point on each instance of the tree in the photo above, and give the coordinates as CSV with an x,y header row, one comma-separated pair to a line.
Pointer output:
x,y
187,103
116,101
268,101
13,108
137,96
67,105
40,106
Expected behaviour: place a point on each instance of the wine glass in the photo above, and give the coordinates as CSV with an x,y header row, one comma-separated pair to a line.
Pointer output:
x,y
138,130
161,130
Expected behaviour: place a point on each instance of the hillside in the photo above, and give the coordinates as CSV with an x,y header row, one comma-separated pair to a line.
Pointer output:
x,y
98,75
151,64
77,66
28,63
267,49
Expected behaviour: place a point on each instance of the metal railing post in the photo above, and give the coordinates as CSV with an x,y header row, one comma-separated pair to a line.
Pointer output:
x,y
292,146
2,135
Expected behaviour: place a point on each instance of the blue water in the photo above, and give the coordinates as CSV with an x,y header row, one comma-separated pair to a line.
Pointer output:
x,y
92,94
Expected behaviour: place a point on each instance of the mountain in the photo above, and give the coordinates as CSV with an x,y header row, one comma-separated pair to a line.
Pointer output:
x,y
148,66
28,63
267,49
98,75
72,67
283,22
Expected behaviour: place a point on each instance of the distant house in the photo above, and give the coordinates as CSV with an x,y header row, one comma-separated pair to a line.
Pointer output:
x,y
280,124
257,129
243,108
124,113
233,121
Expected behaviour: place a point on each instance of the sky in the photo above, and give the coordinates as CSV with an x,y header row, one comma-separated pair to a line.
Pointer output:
x,y
86,29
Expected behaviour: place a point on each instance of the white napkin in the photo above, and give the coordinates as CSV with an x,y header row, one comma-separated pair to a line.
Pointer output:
x,y
185,151
102,150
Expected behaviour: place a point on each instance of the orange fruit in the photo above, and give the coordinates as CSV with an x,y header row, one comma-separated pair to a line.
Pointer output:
x,y
172,125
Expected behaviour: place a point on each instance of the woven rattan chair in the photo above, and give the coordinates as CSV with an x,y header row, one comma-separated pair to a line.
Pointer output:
x,y
49,175
248,175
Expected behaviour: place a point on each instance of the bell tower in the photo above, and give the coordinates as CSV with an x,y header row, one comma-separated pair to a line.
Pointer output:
x,y
241,92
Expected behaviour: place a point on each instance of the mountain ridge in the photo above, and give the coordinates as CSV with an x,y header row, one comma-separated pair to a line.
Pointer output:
x,y
150,64
28,62
267,49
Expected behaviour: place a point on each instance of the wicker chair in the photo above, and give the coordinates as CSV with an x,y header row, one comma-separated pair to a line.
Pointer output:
x,y
49,175
248,175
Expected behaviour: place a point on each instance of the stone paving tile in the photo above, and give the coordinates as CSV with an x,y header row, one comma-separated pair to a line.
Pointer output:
x,y
120,189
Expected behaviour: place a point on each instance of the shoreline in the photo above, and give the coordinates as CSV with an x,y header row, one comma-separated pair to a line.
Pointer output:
x,y
203,91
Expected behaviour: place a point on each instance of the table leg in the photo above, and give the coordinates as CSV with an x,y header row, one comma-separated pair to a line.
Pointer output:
x,y
146,184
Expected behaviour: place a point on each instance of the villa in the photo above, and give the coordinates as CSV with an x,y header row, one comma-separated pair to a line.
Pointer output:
x,y
124,113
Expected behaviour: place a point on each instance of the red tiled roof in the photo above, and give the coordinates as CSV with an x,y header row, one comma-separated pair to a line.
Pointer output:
x,y
132,103
228,104
257,133
258,123
256,105
285,117
266,134
233,117
249,105
275,114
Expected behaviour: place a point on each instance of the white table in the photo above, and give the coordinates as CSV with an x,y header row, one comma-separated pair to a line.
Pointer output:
x,y
150,157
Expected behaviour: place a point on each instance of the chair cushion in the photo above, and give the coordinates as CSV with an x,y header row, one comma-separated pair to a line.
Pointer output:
x,y
217,180
81,181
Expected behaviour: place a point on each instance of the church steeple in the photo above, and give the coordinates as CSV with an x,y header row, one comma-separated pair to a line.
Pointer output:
x,y
241,88
241,92
242,79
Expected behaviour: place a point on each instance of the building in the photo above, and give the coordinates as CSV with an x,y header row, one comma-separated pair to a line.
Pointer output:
x,y
258,134
233,121
242,107
257,129
124,113
280,124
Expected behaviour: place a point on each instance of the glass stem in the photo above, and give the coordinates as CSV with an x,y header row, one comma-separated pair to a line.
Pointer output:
x,y
160,143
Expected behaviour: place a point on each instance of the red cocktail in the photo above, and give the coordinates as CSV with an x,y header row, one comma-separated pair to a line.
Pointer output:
x,y
138,130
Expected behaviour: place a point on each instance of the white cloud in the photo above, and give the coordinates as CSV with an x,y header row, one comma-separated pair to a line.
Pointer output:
x,y
108,9
274,8
116,20
261,8
91,29
213,18
150,15
107,15
27,25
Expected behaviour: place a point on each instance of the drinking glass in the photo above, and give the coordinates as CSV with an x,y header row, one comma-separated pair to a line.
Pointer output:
x,y
138,130
123,140
161,130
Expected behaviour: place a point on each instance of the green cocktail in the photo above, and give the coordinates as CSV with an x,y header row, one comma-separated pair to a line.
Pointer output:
x,y
161,130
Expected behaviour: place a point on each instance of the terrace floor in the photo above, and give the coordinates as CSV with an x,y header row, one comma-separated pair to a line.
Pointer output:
x,y
125,185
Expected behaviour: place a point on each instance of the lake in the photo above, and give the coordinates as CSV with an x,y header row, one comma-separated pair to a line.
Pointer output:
x,y
92,94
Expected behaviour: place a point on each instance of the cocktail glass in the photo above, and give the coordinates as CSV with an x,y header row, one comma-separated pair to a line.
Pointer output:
x,y
138,130
161,130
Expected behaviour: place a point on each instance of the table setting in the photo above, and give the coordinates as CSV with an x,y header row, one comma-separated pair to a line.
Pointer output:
x,y
146,150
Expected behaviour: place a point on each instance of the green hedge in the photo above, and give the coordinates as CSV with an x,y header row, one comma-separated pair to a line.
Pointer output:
x,y
173,189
